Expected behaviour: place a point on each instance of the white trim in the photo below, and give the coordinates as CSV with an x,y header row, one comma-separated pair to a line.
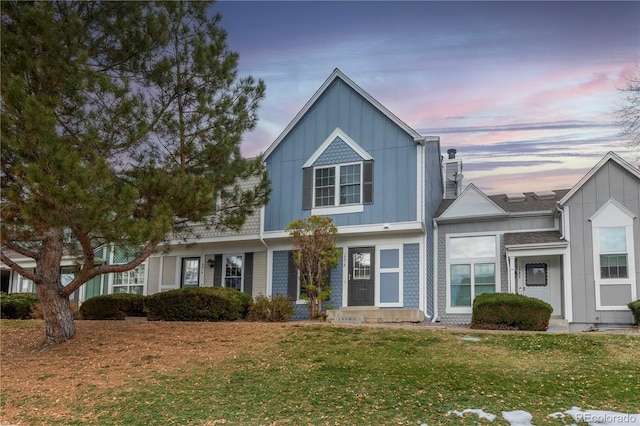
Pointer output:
x,y
460,200
337,133
338,208
362,229
610,156
436,256
379,270
329,210
334,75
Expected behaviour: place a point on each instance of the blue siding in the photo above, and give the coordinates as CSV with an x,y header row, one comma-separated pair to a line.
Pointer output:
x,y
280,269
279,283
393,150
411,275
336,286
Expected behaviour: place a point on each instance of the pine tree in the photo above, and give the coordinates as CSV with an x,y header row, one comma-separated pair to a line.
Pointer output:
x,y
121,123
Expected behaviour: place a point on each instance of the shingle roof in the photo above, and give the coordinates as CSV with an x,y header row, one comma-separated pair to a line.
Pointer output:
x,y
526,238
531,203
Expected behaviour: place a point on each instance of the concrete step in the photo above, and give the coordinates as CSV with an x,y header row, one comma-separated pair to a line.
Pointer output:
x,y
558,325
372,314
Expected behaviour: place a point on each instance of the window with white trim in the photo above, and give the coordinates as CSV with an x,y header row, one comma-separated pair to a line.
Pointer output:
x,y
471,270
613,252
129,281
347,186
613,256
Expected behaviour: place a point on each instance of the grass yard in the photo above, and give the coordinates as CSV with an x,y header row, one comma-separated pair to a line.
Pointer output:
x,y
119,373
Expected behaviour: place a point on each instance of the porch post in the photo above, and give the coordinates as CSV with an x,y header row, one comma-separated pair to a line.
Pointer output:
x,y
513,282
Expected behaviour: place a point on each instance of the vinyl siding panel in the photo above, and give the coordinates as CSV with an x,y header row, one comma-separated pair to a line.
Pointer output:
x,y
433,197
153,275
259,273
393,150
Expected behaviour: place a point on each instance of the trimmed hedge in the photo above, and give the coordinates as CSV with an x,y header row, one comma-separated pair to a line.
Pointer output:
x,y
198,304
17,305
112,307
510,311
278,309
635,309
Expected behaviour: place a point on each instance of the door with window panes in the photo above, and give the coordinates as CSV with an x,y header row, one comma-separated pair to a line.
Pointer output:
x,y
361,276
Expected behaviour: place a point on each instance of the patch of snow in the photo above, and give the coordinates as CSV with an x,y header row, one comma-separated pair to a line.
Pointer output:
x,y
518,417
591,417
471,339
481,414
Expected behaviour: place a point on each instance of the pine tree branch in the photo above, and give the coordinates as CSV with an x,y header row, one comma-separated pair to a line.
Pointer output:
x,y
19,269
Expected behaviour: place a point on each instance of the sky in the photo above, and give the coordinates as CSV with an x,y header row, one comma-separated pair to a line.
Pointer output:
x,y
527,92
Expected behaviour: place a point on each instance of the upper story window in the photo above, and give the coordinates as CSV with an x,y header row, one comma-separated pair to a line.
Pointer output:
x,y
347,186
339,188
338,177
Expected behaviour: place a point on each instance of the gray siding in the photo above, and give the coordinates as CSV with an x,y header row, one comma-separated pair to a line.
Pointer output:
x,y
393,150
433,197
610,181
153,275
491,226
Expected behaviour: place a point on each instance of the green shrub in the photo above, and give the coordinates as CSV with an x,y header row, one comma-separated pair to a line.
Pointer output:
x,y
278,309
112,307
198,304
635,309
17,305
510,311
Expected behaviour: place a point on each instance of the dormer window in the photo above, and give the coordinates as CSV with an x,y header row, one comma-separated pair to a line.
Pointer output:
x,y
338,177
347,186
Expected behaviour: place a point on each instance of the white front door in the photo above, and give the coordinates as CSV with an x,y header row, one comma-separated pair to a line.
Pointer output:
x,y
533,278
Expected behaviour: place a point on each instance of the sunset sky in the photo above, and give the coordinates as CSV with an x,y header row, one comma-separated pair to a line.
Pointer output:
x,y
525,91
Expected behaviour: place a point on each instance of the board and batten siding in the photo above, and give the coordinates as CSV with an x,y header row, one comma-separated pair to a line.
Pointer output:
x,y
610,181
393,151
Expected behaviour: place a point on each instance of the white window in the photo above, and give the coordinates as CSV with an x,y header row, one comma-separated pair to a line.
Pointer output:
x,y
130,281
345,190
613,256
613,253
471,270
233,272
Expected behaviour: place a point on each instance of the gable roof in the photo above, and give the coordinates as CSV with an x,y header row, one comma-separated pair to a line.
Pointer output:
x,y
473,200
531,202
611,156
338,137
337,74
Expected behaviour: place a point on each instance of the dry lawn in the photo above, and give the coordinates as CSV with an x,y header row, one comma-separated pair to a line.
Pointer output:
x,y
108,354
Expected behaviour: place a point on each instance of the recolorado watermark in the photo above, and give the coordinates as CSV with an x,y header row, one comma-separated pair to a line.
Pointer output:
x,y
607,418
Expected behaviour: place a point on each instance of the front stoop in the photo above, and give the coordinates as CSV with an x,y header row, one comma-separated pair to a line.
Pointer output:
x,y
558,325
368,314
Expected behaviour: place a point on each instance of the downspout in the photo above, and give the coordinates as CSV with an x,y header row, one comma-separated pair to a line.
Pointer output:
x,y
435,271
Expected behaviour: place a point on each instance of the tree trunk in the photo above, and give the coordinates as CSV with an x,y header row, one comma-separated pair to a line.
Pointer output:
x,y
56,310
57,314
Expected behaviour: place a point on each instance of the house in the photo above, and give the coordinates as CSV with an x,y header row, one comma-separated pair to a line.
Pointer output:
x,y
574,249
347,157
